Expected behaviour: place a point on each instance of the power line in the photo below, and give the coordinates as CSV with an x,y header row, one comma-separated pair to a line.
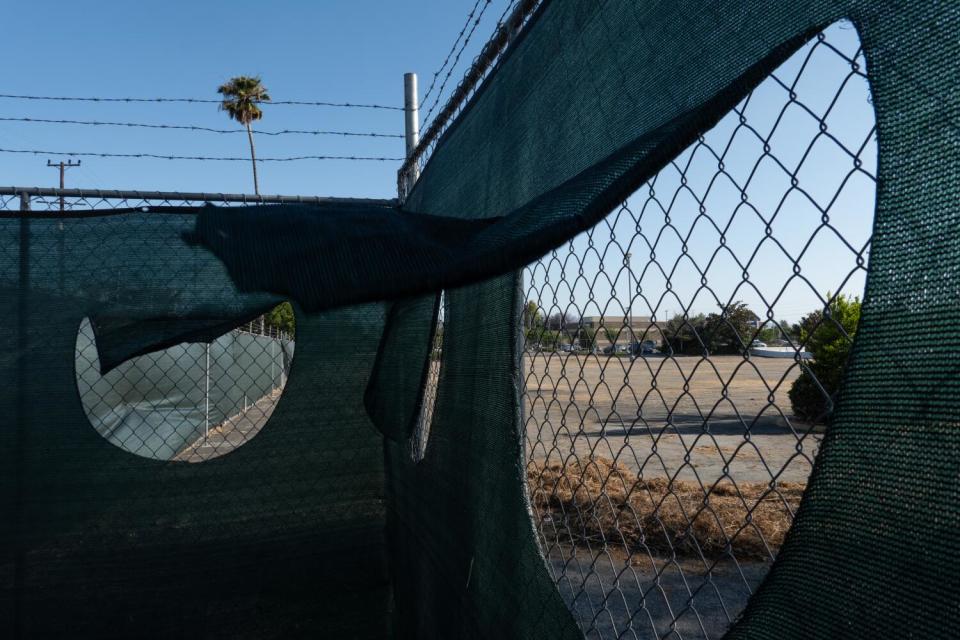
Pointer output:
x,y
305,103
206,158
99,123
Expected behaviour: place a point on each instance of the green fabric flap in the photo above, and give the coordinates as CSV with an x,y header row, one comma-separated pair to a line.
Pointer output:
x,y
394,396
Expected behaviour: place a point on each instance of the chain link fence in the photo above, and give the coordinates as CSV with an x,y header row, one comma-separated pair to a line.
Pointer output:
x,y
189,402
680,363
681,357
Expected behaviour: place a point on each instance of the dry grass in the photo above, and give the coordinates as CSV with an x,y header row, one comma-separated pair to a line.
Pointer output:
x,y
595,501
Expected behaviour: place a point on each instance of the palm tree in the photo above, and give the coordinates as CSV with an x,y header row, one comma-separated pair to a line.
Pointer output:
x,y
240,98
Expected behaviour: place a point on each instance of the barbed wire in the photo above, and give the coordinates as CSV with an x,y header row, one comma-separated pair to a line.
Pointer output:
x,y
446,61
305,103
99,123
519,12
504,13
456,60
156,156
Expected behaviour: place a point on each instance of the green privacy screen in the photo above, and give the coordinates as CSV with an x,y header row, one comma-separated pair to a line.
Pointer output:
x,y
324,526
283,536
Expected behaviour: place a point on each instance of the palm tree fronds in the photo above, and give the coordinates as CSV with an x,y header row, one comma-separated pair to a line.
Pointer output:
x,y
241,96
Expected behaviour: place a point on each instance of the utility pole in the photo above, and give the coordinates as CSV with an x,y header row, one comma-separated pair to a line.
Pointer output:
x,y
63,166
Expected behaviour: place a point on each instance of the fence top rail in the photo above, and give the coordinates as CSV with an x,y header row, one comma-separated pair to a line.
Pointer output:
x,y
113,194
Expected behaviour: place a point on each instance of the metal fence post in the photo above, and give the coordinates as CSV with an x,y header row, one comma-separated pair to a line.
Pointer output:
x,y
273,362
412,125
206,393
22,408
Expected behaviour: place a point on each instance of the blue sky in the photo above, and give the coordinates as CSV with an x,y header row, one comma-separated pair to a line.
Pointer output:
x,y
357,51
827,184
350,51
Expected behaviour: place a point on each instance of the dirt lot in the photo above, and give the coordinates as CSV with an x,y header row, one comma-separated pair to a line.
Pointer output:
x,y
686,418
642,475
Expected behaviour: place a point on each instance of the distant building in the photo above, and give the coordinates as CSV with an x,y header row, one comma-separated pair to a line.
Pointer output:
x,y
641,326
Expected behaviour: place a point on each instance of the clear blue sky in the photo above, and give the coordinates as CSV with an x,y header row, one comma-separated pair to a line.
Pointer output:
x,y
796,141
357,51
345,50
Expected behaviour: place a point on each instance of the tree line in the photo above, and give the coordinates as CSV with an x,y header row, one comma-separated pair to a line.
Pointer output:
x,y
827,334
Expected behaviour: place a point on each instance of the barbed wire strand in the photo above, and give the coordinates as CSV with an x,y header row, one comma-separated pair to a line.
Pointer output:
x,y
305,103
463,30
519,12
456,60
500,20
99,123
156,156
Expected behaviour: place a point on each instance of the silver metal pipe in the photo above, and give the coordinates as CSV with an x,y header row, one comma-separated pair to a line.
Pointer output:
x,y
206,393
112,194
411,107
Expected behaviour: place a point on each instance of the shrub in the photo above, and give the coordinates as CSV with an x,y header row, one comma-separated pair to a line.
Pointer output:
x,y
828,336
727,332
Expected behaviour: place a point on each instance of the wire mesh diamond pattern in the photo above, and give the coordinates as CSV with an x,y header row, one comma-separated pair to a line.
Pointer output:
x,y
683,355
190,402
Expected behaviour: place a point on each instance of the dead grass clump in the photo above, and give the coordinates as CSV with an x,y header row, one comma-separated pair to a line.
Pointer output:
x,y
597,501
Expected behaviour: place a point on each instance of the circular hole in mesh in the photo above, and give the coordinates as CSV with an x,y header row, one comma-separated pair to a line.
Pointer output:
x,y
193,401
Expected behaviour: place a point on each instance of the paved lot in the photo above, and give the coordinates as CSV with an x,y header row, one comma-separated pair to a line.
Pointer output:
x,y
232,433
648,598
685,416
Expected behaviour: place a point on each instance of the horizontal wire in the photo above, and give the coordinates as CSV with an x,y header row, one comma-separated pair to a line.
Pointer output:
x,y
208,158
305,103
98,123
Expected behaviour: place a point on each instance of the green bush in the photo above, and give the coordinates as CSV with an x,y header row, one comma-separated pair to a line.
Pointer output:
x,y
724,333
820,333
807,400
282,318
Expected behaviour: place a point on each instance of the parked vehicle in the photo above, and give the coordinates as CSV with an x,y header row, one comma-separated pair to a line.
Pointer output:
x,y
645,348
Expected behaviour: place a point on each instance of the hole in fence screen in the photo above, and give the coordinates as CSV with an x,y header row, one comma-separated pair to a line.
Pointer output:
x,y
682,357
194,401
421,431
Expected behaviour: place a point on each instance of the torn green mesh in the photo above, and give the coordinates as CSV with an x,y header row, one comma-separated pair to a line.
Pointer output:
x,y
324,527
